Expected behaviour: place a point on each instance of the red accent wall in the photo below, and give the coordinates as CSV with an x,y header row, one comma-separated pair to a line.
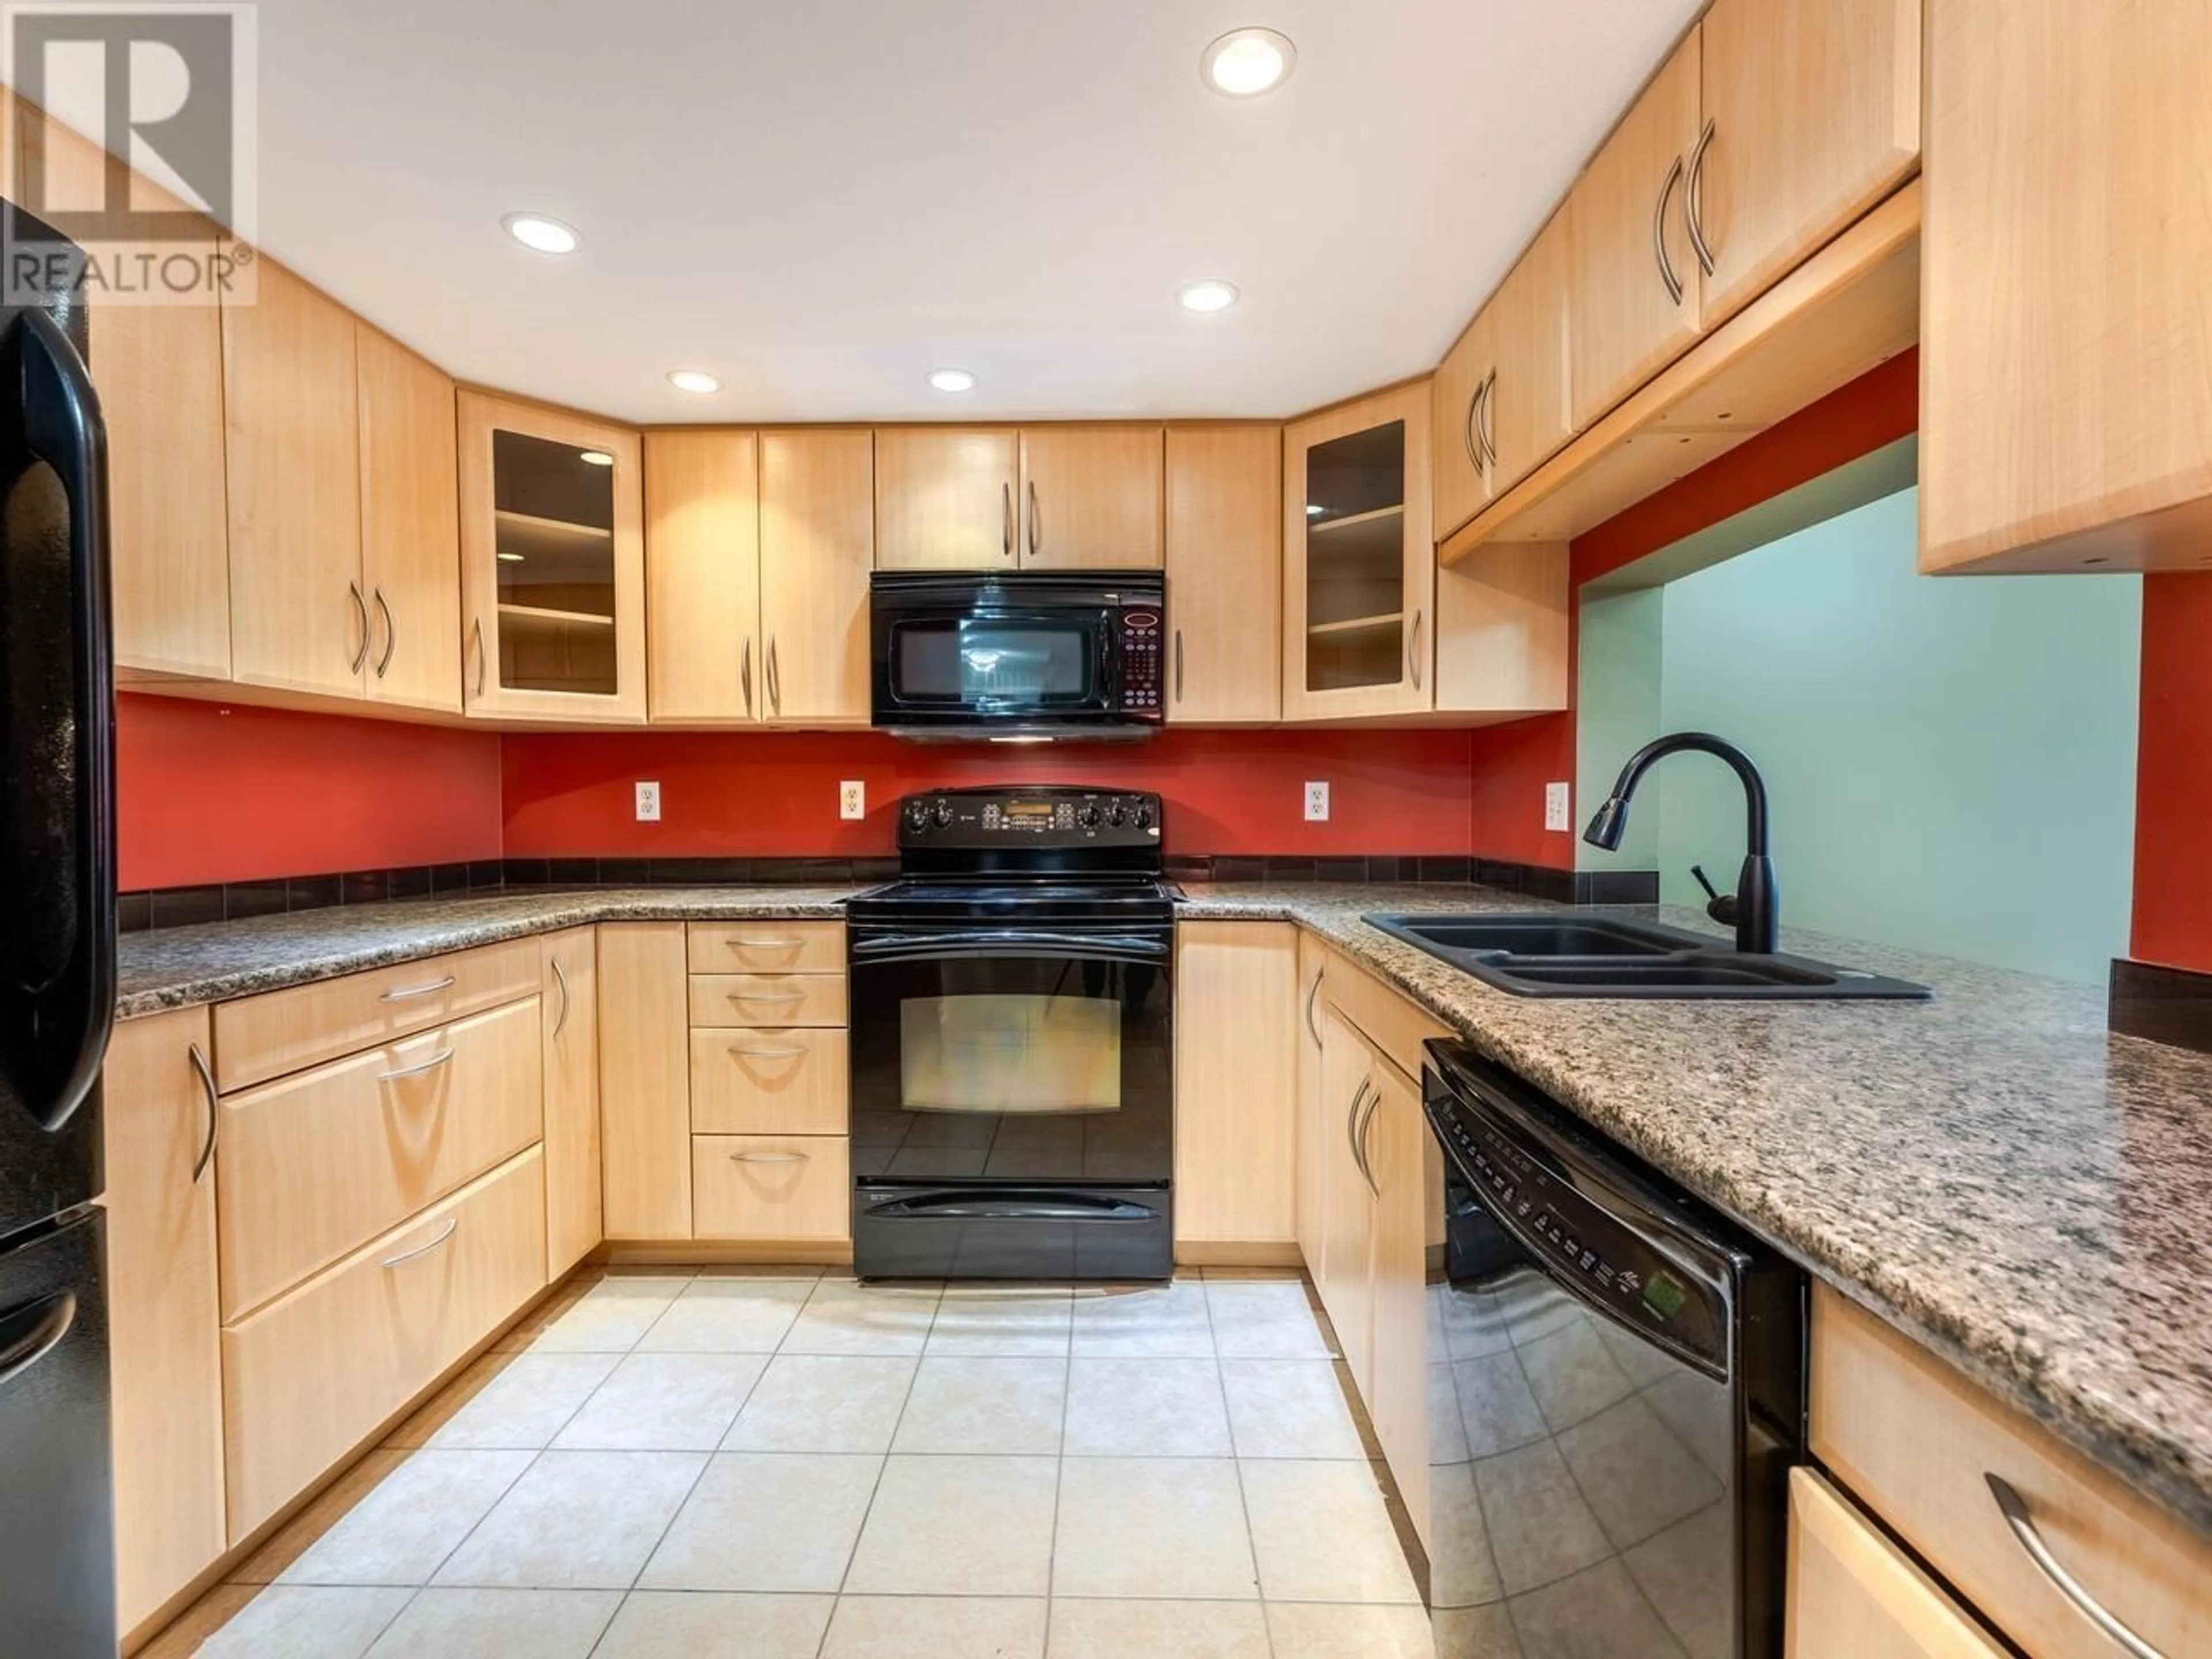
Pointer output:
x,y
2173,777
1512,764
775,793
208,794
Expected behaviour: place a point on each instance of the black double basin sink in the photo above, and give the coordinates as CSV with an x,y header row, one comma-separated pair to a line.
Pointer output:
x,y
1569,955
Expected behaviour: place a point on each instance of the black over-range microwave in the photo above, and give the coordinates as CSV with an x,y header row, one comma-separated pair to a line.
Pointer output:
x,y
1026,654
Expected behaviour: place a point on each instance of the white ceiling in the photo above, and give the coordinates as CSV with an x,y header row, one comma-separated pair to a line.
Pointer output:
x,y
821,200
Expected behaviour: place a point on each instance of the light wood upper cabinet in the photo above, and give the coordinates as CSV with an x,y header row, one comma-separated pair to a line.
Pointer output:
x,y
1235,1145
1854,1595
163,1328
552,563
1459,462
1225,572
945,498
702,576
1090,497
818,535
569,1004
1814,115
2066,351
300,617
1359,633
645,1080
1634,295
410,525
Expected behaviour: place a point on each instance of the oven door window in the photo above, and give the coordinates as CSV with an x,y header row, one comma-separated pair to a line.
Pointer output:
x,y
1030,1056
999,662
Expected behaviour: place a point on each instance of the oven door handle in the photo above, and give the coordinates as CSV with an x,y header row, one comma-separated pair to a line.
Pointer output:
x,y
1085,947
1013,1206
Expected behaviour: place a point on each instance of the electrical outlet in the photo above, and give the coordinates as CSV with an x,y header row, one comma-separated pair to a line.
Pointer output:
x,y
852,799
1316,803
1559,810
648,803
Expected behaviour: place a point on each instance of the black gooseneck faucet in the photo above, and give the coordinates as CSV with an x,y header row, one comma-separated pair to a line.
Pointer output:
x,y
1758,908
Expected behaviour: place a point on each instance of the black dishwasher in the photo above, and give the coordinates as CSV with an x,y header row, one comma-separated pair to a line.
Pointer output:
x,y
1616,1393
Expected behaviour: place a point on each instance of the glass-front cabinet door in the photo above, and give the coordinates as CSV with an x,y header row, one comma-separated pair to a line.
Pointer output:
x,y
1359,566
553,545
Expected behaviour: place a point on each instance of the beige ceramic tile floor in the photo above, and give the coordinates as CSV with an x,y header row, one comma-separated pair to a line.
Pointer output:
x,y
671,1465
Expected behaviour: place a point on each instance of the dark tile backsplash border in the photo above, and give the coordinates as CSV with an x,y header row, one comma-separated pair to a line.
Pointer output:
x,y
2165,1005
182,907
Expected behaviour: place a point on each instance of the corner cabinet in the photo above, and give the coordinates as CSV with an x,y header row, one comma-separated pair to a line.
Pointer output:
x,y
553,564
1358,560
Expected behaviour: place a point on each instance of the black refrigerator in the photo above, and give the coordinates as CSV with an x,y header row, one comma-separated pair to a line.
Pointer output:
x,y
57,965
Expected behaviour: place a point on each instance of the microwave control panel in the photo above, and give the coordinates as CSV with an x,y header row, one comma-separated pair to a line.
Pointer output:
x,y
1144,679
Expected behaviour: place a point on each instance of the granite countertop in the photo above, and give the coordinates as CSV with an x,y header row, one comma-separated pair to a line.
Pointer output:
x,y
1992,1171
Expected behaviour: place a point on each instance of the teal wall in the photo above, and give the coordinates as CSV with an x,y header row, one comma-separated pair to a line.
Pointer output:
x,y
1951,761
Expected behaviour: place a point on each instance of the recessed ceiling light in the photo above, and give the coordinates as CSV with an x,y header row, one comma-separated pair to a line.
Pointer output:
x,y
1245,63
951,379
596,457
542,234
508,558
1209,295
694,380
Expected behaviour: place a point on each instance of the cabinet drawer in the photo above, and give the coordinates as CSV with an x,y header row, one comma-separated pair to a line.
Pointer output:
x,y
768,947
1386,1019
260,1038
795,1188
308,1377
768,1000
310,1166
756,1082
1915,1440
1854,1595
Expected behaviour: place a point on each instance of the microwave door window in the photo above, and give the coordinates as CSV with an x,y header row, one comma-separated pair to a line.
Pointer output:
x,y
982,662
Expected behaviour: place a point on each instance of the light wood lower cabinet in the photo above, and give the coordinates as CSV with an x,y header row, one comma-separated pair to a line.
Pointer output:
x,y
773,1188
1225,574
1346,1286
316,1163
768,999
1854,1595
1236,1144
306,1378
163,1324
1314,962
788,1082
645,1080
1397,1141
570,1002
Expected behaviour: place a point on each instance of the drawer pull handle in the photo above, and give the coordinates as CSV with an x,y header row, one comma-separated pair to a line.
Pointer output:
x,y
453,1226
764,944
768,1054
207,1087
406,992
767,996
2014,1511
771,1157
444,1056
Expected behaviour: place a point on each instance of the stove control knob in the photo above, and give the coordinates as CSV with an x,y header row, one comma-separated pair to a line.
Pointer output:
x,y
1142,818
1088,817
1113,814
917,814
942,812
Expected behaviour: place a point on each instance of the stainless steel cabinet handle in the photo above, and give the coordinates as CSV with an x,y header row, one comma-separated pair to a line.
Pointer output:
x,y
1037,523
1487,424
452,1226
2014,1511
443,1057
769,996
1312,992
774,680
214,1111
561,978
764,944
743,1053
1359,1143
1414,651
1352,1120
746,673
1467,426
1694,199
1178,665
1007,486
1673,283
482,663
406,992
391,634
361,616
771,1157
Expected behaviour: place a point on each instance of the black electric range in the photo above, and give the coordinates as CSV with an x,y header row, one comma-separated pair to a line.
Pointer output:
x,y
1012,1041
